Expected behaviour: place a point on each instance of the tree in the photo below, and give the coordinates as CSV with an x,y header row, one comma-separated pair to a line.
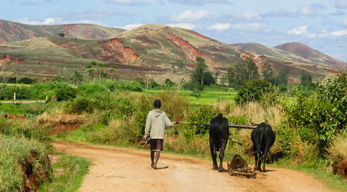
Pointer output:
x,y
180,65
242,72
26,80
253,90
12,80
267,72
90,68
252,69
168,82
77,78
197,76
113,69
282,77
306,77
208,78
61,34
102,67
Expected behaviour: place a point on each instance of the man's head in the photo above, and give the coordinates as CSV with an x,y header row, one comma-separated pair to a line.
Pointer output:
x,y
157,104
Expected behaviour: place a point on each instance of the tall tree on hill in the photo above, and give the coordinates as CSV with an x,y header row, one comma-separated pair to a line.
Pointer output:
x,y
282,77
198,74
113,69
267,72
242,72
252,69
306,77
90,68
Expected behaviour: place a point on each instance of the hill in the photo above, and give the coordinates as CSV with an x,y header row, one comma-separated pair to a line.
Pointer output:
x,y
149,51
293,51
310,54
12,31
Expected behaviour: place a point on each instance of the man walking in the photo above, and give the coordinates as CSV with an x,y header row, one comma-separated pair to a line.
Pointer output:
x,y
156,122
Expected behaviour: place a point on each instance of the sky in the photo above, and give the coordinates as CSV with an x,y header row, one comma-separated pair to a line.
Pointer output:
x,y
320,24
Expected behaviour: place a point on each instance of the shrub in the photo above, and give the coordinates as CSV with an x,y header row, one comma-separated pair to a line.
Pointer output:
x,y
92,89
121,109
80,105
253,91
41,90
323,113
22,92
199,118
64,94
26,80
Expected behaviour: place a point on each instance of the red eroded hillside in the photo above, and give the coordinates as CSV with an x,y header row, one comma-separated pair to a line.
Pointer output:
x,y
116,49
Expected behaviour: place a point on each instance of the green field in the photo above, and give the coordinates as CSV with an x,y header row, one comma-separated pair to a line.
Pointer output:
x,y
203,98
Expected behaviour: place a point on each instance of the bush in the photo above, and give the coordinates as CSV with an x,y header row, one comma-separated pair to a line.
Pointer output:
x,y
22,92
122,108
80,105
92,89
198,120
64,94
253,91
41,90
323,113
26,80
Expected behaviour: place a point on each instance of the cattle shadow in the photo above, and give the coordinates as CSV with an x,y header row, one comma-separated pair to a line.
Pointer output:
x,y
269,171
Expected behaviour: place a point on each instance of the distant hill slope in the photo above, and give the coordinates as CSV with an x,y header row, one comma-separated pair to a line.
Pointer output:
x,y
12,31
310,54
293,51
149,51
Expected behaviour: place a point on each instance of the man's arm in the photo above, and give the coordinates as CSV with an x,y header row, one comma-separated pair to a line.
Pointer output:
x,y
148,126
168,123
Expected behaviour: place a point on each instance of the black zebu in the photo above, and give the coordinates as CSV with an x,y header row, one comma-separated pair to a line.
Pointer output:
x,y
263,137
219,135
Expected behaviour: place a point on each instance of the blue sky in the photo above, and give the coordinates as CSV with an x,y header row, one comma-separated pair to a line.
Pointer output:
x,y
320,24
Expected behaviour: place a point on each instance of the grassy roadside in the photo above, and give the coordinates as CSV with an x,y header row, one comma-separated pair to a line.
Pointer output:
x,y
334,182
68,172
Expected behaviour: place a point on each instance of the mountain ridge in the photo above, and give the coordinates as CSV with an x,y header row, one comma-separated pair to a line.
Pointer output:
x,y
148,51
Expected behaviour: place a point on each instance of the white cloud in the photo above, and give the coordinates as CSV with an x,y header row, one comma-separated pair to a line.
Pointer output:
x,y
183,25
249,27
55,21
129,26
49,21
220,26
302,30
307,11
339,33
298,31
190,16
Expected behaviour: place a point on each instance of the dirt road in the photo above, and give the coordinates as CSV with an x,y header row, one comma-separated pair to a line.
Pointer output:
x,y
116,169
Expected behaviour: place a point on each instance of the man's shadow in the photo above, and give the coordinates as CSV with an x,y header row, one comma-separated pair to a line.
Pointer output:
x,y
165,167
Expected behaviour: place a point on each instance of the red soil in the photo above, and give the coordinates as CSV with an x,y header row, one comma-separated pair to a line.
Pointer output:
x,y
127,56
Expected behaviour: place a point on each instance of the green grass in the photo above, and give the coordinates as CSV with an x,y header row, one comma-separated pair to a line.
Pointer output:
x,y
13,152
32,109
204,98
69,171
335,182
